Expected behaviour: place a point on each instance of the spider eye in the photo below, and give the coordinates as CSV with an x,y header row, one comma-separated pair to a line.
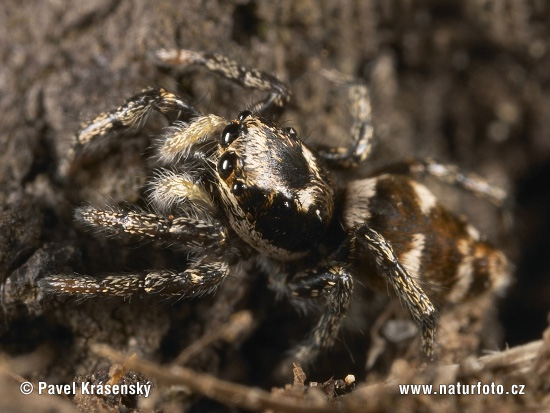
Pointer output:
x,y
229,134
243,115
292,132
238,188
227,164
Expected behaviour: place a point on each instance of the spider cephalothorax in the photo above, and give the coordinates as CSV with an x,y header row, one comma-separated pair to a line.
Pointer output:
x,y
273,189
246,189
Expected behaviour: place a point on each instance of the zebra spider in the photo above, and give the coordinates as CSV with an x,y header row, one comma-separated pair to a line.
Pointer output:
x,y
246,192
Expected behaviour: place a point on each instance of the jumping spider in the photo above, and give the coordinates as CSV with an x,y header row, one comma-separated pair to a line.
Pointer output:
x,y
246,192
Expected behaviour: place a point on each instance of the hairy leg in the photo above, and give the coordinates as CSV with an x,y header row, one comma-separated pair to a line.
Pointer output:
x,y
133,113
362,131
451,175
201,278
195,234
333,284
278,92
406,288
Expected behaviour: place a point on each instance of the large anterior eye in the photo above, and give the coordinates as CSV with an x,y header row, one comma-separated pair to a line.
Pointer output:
x,y
229,134
226,164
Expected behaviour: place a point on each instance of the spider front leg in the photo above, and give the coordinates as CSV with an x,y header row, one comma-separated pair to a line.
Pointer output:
x,y
333,284
406,288
278,96
133,113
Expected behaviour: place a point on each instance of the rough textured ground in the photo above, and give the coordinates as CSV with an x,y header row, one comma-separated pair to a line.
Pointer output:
x,y
460,81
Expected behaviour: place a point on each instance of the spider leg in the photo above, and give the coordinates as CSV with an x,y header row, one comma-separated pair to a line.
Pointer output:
x,y
133,113
407,289
335,285
451,175
198,233
278,96
192,233
201,278
362,131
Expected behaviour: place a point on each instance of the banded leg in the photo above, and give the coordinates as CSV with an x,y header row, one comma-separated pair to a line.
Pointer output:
x,y
335,284
133,113
362,131
187,232
406,288
201,278
278,96
451,175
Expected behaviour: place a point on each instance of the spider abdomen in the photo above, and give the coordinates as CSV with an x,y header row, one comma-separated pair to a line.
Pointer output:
x,y
432,244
